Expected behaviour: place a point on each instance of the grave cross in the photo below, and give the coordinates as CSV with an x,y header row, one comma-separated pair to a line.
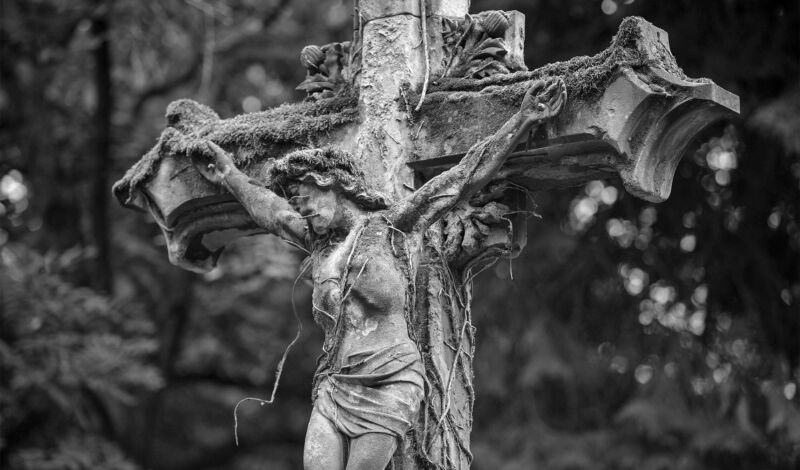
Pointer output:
x,y
407,99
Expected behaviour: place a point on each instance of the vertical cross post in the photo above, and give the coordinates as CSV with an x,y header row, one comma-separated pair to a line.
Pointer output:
x,y
392,53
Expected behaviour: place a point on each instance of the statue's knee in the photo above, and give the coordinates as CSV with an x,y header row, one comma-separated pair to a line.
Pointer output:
x,y
371,451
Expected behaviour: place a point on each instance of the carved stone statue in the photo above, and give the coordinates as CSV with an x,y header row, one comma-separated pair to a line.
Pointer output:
x,y
436,108
364,251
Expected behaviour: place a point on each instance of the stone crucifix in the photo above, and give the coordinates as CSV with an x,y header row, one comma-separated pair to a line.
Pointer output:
x,y
404,173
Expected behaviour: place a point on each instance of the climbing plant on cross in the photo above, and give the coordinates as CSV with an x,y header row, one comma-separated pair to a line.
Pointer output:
x,y
407,170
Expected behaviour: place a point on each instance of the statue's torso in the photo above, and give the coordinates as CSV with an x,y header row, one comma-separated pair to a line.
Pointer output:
x,y
362,279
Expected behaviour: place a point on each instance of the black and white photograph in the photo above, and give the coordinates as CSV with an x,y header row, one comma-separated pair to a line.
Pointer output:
x,y
399,234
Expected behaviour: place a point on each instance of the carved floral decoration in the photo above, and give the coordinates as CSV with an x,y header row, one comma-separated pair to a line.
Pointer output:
x,y
475,46
326,69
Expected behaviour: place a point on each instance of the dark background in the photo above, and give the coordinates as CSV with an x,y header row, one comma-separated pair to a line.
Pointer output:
x,y
632,335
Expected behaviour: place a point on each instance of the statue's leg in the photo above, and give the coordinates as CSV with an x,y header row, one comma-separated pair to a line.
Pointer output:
x,y
325,446
371,451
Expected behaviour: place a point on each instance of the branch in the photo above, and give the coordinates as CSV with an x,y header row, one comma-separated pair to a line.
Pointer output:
x,y
185,76
167,85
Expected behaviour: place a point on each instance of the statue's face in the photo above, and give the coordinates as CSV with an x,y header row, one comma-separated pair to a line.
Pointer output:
x,y
317,205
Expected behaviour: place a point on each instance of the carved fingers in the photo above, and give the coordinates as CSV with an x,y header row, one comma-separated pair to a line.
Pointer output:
x,y
544,99
211,160
467,229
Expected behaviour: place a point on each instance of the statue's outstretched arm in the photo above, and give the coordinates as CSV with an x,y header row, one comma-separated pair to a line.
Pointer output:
x,y
268,210
415,213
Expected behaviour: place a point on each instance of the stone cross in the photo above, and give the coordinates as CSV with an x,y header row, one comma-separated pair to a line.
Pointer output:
x,y
408,98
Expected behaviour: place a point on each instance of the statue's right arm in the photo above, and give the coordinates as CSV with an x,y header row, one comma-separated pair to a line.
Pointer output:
x,y
269,211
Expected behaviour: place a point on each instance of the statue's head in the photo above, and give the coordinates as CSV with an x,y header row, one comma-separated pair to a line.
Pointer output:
x,y
320,183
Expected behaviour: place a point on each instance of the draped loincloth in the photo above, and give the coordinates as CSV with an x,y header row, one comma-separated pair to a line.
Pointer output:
x,y
376,390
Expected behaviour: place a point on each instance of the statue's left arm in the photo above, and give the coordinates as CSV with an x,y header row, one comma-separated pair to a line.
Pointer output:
x,y
418,211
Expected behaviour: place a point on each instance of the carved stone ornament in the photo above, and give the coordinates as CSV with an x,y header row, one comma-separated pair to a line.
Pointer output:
x,y
632,114
477,46
327,69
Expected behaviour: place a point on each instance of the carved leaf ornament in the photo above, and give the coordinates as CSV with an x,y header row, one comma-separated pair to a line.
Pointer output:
x,y
326,69
476,46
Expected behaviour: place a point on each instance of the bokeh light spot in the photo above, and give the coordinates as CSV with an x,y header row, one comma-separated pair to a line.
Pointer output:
x,y
585,209
609,7
774,219
790,390
643,373
609,195
700,295
697,322
619,364
688,243
722,177
635,281
786,296
12,187
256,74
251,104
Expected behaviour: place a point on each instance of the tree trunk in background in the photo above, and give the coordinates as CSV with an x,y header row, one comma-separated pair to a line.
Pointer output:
x,y
101,278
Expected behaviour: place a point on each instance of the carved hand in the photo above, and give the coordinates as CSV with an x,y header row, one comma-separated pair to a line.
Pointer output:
x,y
211,161
544,100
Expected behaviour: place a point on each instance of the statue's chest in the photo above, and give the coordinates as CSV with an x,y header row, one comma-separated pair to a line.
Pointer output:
x,y
363,269
327,277
329,263
376,281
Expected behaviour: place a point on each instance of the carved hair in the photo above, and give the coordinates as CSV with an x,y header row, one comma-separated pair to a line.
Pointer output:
x,y
327,168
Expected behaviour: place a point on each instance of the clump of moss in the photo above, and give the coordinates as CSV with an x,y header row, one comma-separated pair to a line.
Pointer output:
x,y
294,122
584,76
187,115
252,134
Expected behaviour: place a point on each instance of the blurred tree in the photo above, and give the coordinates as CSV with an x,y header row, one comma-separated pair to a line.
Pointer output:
x,y
70,360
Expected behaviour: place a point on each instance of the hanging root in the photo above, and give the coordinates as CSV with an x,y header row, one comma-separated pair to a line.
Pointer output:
x,y
528,195
424,25
456,356
338,327
303,269
441,425
360,272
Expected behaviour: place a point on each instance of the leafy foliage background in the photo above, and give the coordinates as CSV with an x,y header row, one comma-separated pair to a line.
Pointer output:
x,y
628,335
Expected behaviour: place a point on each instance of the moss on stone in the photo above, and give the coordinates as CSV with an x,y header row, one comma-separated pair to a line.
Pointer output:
x,y
294,122
584,76
246,136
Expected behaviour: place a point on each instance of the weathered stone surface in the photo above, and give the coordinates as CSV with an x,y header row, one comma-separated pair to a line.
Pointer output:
x,y
637,126
483,45
390,57
375,10
631,112
254,139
